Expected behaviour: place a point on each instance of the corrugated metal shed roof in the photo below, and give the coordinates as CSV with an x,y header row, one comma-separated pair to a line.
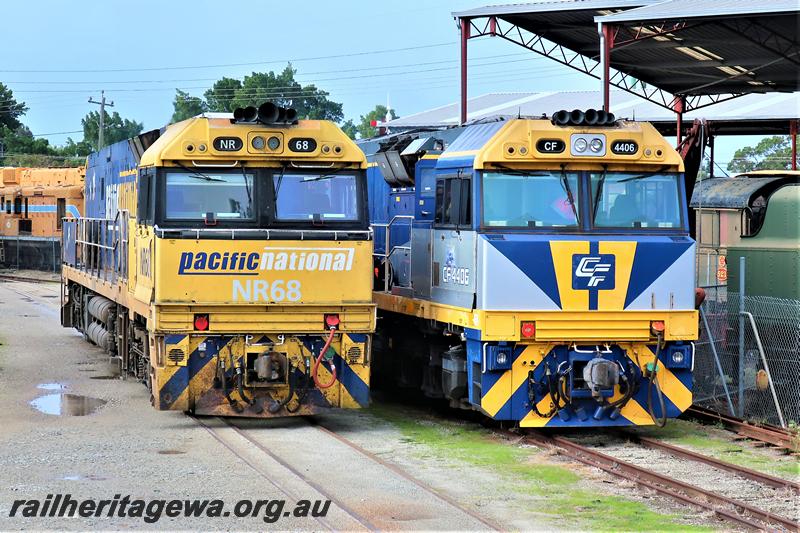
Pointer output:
x,y
746,110
681,9
725,47
552,5
727,193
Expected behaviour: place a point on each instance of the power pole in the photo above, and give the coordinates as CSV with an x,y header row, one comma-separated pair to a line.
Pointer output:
x,y
102,103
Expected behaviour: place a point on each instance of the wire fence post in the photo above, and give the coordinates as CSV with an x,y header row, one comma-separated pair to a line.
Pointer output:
x,y
711,340
741,336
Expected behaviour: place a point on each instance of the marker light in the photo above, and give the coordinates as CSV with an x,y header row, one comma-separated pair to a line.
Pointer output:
x,y
580,145
331,321
201,322
527,330
596,145
657,327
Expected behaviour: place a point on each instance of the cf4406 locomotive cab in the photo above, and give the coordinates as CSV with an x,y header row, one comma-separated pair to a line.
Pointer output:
x,y
226,262
548,263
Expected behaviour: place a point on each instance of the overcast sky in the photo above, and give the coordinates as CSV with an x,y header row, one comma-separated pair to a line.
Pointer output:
x,y
56,54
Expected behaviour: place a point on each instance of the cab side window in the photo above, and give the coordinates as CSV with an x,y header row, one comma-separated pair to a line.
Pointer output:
x,y
453,202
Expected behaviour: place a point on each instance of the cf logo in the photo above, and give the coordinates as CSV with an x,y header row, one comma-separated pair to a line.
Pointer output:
x,y
593,268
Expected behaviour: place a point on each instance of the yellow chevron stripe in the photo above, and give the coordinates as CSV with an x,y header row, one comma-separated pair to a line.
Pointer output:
x,y
624,252
512,379
562,251
496,397
671,386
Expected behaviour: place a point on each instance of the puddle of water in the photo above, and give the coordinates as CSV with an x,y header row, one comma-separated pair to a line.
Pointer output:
x,y
78,477
67,404
50,386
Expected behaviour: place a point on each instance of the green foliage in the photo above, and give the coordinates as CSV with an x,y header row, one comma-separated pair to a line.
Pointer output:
x,y
220,97
771,153
349,128
25,150
115,128
365,128
281,89
10,109
186,106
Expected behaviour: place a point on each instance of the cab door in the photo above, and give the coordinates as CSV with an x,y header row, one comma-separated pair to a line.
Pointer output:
x,y
141,235
453,257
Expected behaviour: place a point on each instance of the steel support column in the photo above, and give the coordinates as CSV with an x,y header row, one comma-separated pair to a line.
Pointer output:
x,y
679,105
711,157
606,44
793,140
465,25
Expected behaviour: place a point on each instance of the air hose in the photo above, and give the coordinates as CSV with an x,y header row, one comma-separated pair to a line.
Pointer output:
x,y
277,406
662,420
318,361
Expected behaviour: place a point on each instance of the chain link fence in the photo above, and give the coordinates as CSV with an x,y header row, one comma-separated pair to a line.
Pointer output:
x,y
748,356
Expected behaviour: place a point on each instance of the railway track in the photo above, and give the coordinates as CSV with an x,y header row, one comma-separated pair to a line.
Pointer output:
x,y
735,511
301,475
765,433
27,279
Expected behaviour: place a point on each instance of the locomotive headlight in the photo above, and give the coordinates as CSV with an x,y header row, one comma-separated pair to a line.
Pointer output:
x,y
678,357
258,143
580,145
596,145
273,143
502,358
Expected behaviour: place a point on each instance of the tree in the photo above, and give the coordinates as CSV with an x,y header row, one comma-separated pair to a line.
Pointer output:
x,y
365,127
220,97
349,128
115,128
280,89
187,106
10,109
771,153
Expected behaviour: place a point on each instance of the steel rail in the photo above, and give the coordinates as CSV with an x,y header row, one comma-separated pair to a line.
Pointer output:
x,y
754,475
405,475
12,277
304,478
760,432
665,485
215,434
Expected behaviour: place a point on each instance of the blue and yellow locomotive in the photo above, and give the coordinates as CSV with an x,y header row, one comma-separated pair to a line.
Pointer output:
x,y
540,271
226,262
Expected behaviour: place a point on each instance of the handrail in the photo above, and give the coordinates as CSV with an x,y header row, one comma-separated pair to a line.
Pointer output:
x,y
367,233
386,252
766,366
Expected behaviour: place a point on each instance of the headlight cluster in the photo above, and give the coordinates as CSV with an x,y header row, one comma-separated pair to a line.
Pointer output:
x,y
588,144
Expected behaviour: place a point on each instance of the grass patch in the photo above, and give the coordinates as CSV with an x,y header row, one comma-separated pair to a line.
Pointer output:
x,y
697,436
514,469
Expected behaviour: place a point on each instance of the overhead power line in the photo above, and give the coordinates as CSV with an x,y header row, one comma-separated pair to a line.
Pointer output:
x,y
221,65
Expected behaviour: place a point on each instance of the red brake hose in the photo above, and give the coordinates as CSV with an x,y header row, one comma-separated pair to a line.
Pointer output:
x,y
318,361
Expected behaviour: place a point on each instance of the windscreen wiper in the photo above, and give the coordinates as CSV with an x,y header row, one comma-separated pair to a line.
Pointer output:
x,y
642,176
198,175
568,191
597,193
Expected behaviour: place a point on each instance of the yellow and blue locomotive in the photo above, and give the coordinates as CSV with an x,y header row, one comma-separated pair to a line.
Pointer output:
x,y
539,271
226,262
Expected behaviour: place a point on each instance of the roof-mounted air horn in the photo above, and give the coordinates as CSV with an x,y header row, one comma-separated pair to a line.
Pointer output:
x,y
266,113
590,117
